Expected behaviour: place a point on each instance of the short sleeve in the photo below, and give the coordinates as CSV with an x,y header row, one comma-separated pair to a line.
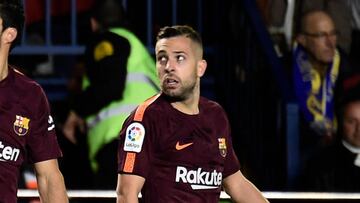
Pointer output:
x,y
134,152
232,164
42,143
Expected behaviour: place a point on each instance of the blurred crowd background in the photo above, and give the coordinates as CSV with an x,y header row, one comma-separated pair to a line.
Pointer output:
x,y
244,42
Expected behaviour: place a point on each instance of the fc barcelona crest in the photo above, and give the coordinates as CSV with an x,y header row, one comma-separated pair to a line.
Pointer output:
x,y
222,147
21,125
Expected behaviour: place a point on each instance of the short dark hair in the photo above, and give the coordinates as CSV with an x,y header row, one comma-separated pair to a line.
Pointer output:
x,y
12,15
109,14
179,30
349,96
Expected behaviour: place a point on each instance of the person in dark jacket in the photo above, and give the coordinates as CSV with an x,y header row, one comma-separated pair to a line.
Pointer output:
x,y
337,167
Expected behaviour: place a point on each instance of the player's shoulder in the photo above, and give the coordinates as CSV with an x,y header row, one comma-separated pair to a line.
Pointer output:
x,y
26,92
149,109
24,83
210,105
212,109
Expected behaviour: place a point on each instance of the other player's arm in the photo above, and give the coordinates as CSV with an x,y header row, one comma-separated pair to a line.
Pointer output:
x,y
128,188
50,182
242,190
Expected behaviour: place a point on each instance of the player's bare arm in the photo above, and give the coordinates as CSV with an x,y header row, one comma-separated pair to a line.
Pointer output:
x,y
128,188
242,190
50,182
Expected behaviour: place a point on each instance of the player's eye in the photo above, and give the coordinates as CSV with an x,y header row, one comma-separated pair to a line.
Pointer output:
x,y
162,60
180,58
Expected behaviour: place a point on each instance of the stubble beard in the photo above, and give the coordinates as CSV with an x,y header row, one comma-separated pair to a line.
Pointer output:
x,y
181,93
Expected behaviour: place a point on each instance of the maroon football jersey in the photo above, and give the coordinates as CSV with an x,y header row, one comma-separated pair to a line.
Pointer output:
x,y
182,157
27,130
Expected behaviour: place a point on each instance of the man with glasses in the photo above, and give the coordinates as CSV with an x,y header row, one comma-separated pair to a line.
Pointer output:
x,y
317,67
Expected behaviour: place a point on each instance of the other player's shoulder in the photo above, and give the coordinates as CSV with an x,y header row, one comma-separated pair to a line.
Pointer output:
x,y
24,83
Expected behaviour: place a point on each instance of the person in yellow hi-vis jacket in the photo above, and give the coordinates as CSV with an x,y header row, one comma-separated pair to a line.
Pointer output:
x,y
119,74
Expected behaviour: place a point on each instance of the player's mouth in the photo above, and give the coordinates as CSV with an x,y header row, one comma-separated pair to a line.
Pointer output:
x,y
171,82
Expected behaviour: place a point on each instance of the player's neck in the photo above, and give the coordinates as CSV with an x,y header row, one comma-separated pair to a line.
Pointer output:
x,y
4,54
3,67
189,106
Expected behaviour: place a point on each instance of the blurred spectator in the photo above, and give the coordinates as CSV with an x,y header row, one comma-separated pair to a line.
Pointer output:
x,y
119,74
337,168
317,69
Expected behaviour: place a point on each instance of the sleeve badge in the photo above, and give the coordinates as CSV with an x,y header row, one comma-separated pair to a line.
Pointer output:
x,y
134,139
222,146
21,125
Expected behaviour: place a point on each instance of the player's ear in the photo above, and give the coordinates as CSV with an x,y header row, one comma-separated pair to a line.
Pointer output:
x,y
9,34
201,68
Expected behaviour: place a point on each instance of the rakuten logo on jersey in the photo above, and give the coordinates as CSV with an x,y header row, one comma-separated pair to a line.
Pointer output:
x,y
8,153
199,179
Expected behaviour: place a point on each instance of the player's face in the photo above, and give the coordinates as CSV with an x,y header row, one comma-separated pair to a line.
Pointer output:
x,y
351,129
179,66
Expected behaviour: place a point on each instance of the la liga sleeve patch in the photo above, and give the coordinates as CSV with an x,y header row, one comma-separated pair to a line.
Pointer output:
x,y
134,139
